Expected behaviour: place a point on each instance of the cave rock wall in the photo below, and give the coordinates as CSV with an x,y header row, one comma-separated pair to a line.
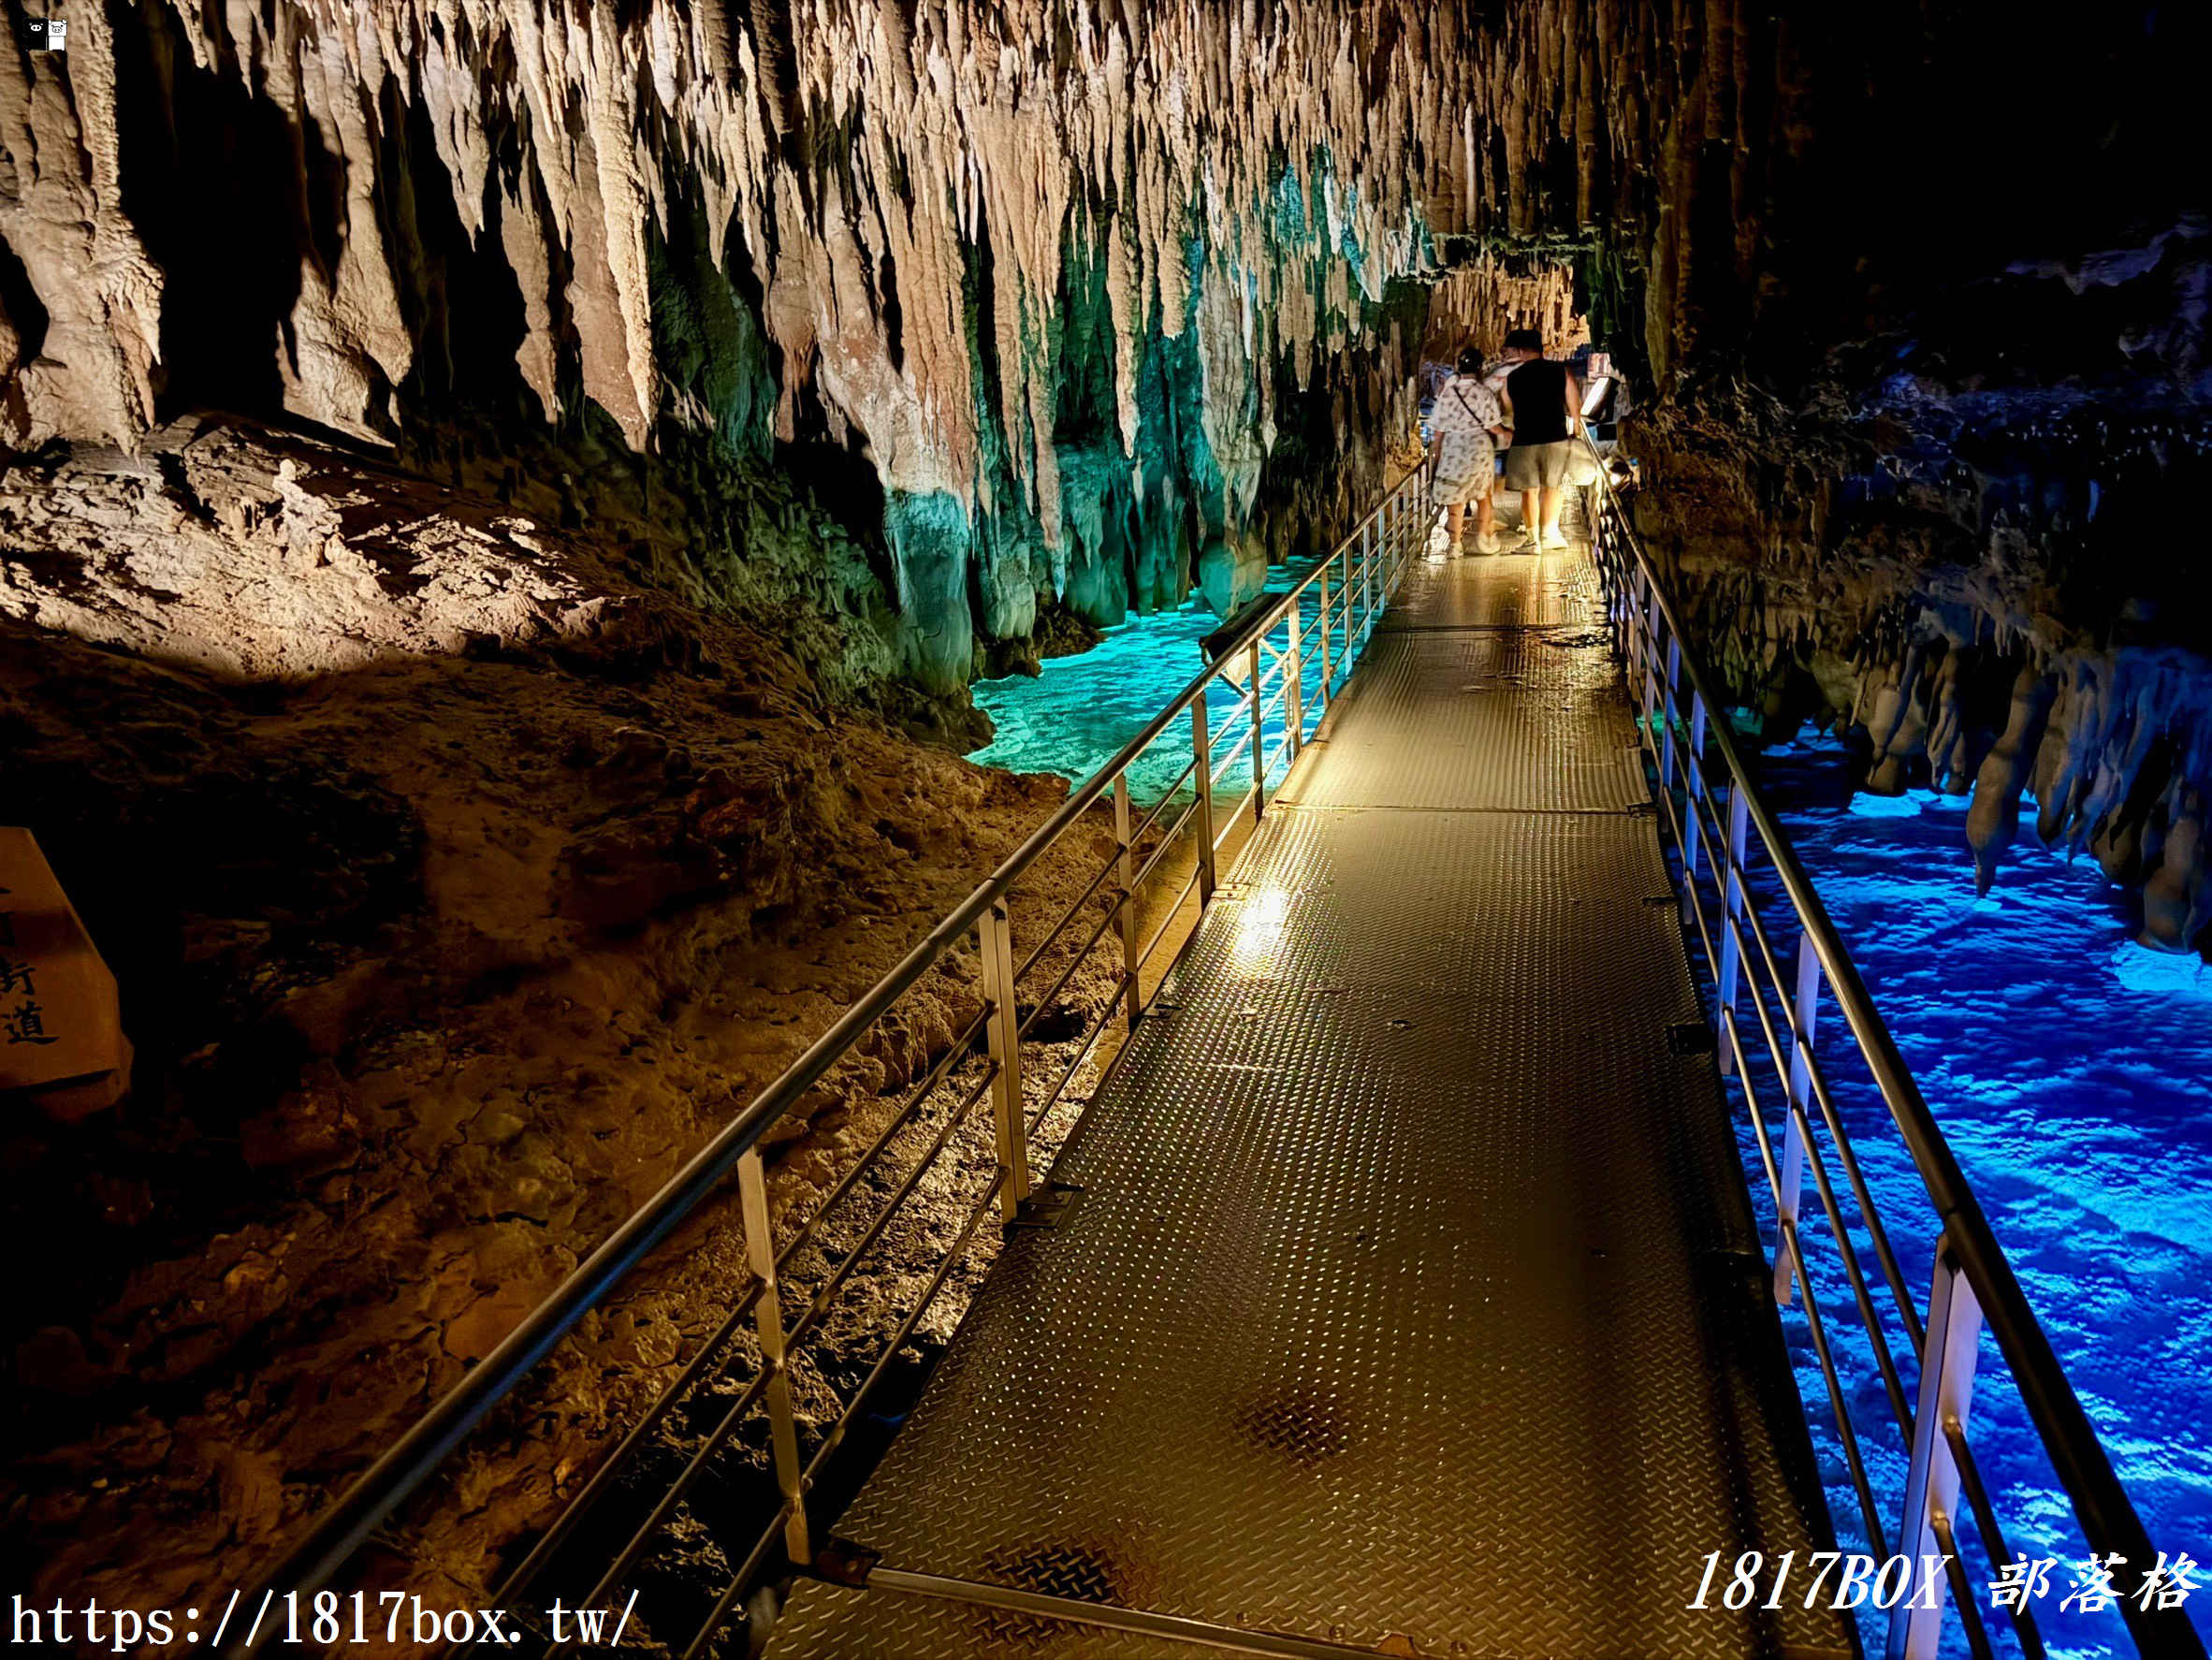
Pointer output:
x,y
951,324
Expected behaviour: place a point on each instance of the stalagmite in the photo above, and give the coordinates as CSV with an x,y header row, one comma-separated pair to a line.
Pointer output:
x,y
2177,899
1994,817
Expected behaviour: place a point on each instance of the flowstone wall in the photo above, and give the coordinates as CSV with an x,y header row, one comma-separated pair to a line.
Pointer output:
x,y
934,323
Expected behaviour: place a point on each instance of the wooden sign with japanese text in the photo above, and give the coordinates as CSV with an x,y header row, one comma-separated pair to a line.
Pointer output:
x,y
61,1030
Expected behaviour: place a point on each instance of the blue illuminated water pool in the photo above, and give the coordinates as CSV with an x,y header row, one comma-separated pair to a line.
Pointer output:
x,y
2071,1070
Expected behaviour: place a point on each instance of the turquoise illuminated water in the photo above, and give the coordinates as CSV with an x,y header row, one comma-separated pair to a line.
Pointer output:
x,y
2071,1070
1075,716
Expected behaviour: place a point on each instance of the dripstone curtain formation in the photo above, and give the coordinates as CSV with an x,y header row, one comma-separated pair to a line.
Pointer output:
x,y
1060,271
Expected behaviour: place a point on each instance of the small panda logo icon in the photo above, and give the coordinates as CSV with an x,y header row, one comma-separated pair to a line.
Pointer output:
x,y
46,34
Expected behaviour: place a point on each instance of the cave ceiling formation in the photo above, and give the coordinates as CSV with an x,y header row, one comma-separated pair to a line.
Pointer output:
x,y
1069,276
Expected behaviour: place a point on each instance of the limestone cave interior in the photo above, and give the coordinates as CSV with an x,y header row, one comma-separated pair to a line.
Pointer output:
x,y
515,515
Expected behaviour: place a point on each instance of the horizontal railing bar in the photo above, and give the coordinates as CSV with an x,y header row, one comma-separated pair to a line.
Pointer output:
x,y
1048,998
609,1467
1847,1250
1167,796
1235,812
1993,1539
1083,1052
940,1070
1167,845
694,1467
1962,1591
1787,1231
1167,921
1794,1112
738,1580
1225,715
818,1307
831,1441
1242,730
819,1304
1854,1460
1066,916
765,1540
1816,1075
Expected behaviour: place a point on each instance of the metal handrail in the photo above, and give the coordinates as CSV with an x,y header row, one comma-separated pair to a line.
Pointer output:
x,y
1378,551
1650,630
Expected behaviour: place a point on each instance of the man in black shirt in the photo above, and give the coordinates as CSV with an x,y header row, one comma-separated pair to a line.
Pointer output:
x,y
1542,398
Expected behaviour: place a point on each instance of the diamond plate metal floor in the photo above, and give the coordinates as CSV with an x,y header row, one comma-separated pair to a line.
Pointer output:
x,y
1523,720
1413,1307
1506,591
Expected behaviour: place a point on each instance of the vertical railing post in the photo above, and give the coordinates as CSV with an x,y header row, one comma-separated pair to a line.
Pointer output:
x,y
1651,679
1931,1481
994,935
1640,647
1618,604
1380,556
1321,618
1694,794
1259,739
1367,534
1293,687
1202,746
1666,707
1732,915
1807,1009
768,1314
1344,605
1122,819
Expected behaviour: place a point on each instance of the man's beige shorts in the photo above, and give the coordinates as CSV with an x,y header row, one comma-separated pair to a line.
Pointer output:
x,y
1538,466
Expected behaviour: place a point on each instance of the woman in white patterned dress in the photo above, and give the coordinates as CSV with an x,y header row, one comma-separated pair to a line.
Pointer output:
x,y
1466,424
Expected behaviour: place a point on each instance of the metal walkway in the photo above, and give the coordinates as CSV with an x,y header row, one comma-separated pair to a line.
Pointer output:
x,y
1412,1304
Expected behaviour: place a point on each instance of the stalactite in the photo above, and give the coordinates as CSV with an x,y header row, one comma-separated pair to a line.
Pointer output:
x,y
911,194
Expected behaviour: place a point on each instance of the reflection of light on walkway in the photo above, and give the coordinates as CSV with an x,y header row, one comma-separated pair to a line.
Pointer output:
x,y
1260,930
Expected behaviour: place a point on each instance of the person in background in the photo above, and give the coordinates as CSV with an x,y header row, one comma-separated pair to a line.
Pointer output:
x,y
1542,400
1465,426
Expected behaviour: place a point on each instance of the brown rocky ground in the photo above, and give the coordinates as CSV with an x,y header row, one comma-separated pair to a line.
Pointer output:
x,y
460,887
